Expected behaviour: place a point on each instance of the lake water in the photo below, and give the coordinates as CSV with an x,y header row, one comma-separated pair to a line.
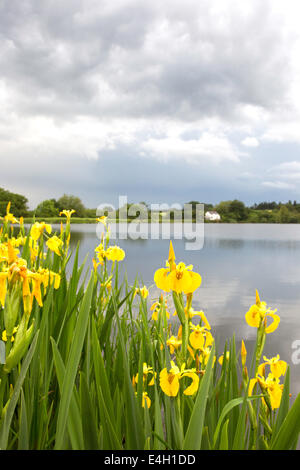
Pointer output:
x,y
235,260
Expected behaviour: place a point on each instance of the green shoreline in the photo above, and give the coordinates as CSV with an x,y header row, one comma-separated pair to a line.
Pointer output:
x,y
78,220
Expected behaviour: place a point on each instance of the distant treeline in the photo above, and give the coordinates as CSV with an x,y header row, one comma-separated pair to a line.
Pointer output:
x,y
47,209
264,212
234,211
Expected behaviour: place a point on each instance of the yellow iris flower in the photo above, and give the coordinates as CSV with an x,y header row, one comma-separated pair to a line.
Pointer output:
x,y
204,356
145,400
155,308
38,228
115,253
191,313
4,334
107,284
49,277
8,252
147,370
17,271
54,244
16,242
169,380
3,252
258,314
102,219
34,249
67,213
100,253
243,353
172,256
174,343
271,386
221,358
200,338
177,278
277,366
143,292
3,287
180,279
9,217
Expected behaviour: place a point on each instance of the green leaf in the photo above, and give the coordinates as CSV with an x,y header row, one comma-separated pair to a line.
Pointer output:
x,y
135,438
89,426
239,437
9,410
72,365
289,430
224,437
109,427
284,405
263,445
100,371
158,425
74,420
205,443
193,437
227,408
23,438
2,352
22,341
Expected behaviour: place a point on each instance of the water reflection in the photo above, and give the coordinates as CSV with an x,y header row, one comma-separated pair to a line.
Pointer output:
x,y
226,243
77,237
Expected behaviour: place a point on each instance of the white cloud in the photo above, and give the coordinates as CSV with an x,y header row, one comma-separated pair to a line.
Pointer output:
x,y
283,129
212,147
278,185
289,171
285,176
250,142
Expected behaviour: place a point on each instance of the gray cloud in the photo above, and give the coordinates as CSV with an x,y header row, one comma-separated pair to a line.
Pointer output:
x,y
99,98
139,60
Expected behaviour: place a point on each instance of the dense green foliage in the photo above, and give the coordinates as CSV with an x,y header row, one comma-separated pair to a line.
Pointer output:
x,y
272,213
70,202
18,203
47,208
232,211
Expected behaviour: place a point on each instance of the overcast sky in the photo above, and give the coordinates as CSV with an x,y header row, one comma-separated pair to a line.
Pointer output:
x,y
162,101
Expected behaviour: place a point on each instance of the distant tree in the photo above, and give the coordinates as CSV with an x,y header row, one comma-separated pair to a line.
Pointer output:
x,y
284,215
223,208
266,216
70,202
193,203
266,206
232,210
294,218
194,206
18,203
90,213
238,210
47,208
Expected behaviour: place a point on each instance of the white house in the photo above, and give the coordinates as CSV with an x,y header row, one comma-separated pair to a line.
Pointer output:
x,y
212,215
